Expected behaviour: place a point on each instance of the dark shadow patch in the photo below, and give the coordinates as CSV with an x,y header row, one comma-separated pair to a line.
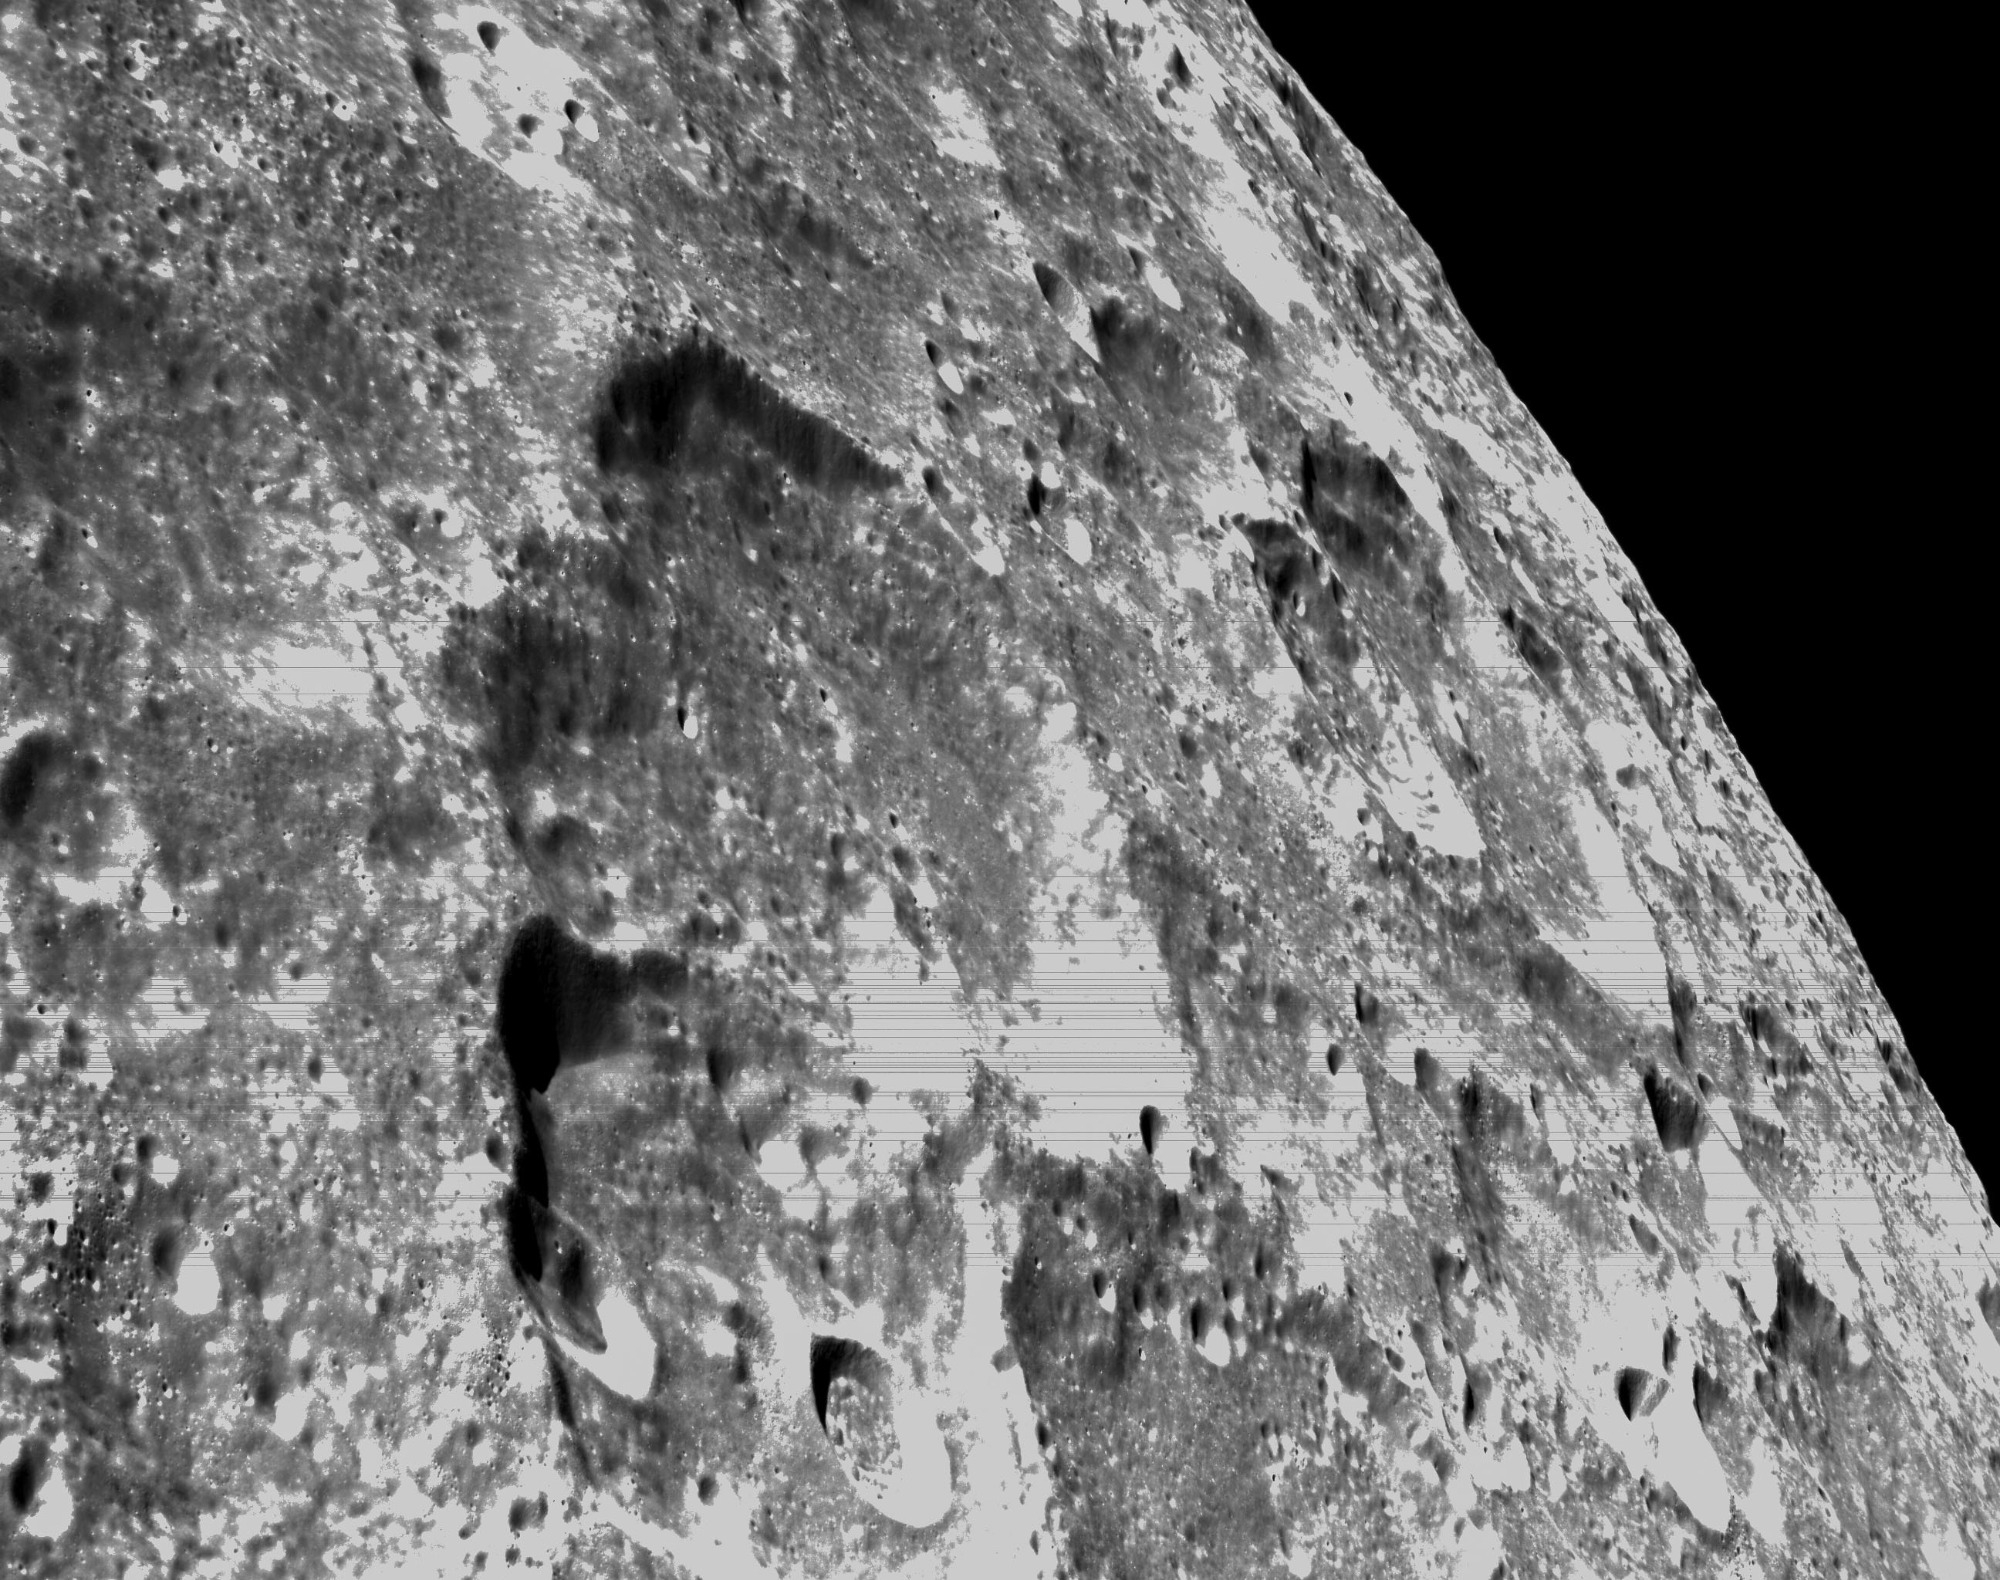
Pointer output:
x,y
1784,1054
1305,598
1354,502
1140,354
1056,290
1989,1304
1658,711
1316,138
1711,1395
27,769
1246,323
657,410
1485,1209
558,1268
17,1036
1677,1112
1429,1075
834,1358
559,1001
547,674
1901,1071
662,972
1547,980
25,1475
1805,1325
1681,1001
1488,1117
1189,919
429,79
1151,1126
1763,1137
1540,654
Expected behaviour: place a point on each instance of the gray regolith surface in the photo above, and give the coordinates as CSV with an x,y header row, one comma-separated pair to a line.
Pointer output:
x,y
833,789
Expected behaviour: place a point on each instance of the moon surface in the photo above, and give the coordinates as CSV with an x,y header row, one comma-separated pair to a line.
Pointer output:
x,y
830,787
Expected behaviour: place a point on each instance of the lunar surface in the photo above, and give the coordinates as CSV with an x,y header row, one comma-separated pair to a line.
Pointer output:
x,y
831,789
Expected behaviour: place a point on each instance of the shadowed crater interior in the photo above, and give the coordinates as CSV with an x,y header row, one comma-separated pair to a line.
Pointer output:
x,y
559,1001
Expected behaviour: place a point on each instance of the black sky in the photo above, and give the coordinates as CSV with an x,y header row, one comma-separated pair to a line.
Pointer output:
x,y
1714,265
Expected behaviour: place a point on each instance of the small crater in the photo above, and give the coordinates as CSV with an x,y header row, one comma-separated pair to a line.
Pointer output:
x,y
1677,1112
28,769
1632,1386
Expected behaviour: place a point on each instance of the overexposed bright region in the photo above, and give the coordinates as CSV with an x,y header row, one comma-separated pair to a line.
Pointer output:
x,y
1618,746
53,1510
283,677
1451,1045
1233,218
626,1363
1316,1212
1763,1501
197,1286
1944,1550
508,103
1685,1459
1739,1216
1664,1437
782,1166
294,1001
962,133
13,1166
1007,1484
1479,1553
1411,784
1076,540
1617,947
910,1031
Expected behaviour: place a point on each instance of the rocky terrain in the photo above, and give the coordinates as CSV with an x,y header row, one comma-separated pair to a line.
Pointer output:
x,y
831,788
